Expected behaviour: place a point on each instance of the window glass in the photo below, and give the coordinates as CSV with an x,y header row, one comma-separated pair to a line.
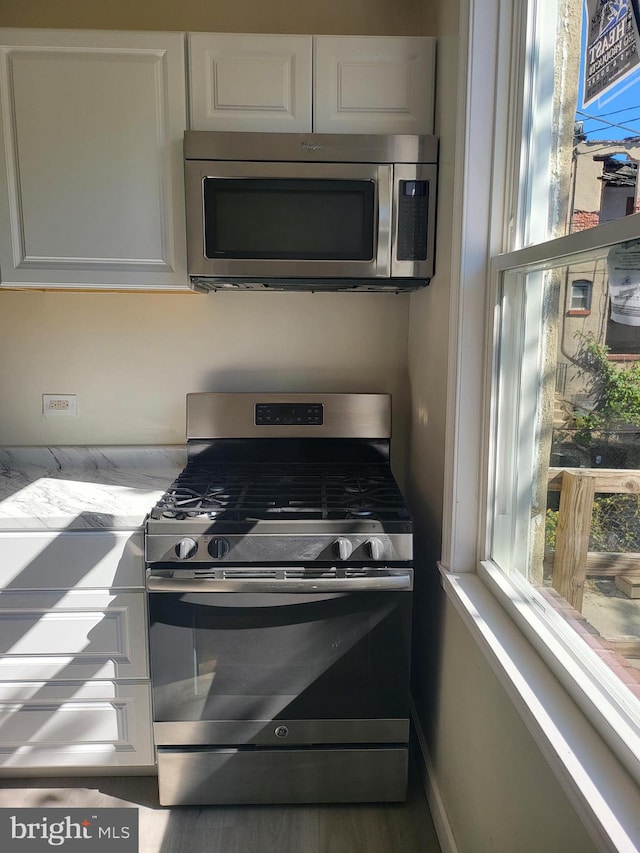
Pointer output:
x,y
580,295
566,482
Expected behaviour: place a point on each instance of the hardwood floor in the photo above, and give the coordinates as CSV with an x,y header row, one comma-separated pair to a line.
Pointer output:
x,y
381,828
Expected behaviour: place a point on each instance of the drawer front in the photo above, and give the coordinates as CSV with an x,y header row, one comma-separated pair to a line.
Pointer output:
x,y
77,634
213,777
101,724
81,559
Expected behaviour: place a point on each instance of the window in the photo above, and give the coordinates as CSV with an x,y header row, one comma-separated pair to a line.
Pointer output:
x,y
563,519
622,341
564,510
580,298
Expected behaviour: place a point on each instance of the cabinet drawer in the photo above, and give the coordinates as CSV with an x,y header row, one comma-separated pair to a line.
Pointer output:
x,y
77,634
70,724
101,559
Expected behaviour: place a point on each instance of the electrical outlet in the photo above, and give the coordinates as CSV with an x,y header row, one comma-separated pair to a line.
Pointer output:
x,y
59,404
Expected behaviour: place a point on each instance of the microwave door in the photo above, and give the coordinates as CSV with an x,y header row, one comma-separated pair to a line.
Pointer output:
x,y
284,220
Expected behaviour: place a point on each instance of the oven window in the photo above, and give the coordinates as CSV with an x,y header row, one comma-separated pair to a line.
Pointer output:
x,y
289,219
241,656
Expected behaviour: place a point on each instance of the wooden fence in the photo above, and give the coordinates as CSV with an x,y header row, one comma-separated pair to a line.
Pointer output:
x,y
573,562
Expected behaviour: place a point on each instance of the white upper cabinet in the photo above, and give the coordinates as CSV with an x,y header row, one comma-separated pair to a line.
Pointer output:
x,y
299,84
91,173
250,82
92,123
373,84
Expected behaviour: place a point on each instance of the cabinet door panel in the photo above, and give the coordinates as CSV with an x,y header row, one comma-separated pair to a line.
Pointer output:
x,y
77,634
92,559
370,84
66,725
91,124
250,82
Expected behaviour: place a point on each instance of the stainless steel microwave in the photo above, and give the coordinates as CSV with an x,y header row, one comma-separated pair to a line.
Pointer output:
x,y
292,211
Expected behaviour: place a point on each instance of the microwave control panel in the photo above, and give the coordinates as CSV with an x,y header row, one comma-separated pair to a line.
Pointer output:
x,y
413,220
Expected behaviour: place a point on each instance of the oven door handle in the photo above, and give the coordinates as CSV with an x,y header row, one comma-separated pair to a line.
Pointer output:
x,y
394,582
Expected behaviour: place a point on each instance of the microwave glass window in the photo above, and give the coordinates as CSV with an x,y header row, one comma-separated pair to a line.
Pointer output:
x,y
289,219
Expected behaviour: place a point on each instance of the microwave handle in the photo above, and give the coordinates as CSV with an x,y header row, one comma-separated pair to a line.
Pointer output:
x,y
385,198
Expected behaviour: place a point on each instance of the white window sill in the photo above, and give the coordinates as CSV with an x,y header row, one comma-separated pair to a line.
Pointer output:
x,y
600,788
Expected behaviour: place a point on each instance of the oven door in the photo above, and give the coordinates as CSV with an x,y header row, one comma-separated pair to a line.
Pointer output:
x,y
283,220
280,668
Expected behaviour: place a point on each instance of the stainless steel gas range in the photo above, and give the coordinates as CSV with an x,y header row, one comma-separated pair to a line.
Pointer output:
x,y
279,578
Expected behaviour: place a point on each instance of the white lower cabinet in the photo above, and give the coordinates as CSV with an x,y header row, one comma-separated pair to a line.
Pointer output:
x,y
74,670
74,634
67,724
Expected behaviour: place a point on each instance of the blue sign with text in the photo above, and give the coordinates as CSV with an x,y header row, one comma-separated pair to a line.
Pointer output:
x,y
612,49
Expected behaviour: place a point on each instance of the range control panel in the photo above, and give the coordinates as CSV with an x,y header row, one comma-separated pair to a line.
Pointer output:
x,y
289,414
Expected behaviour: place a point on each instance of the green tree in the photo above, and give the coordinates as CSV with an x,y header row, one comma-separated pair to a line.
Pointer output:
x,y
614,392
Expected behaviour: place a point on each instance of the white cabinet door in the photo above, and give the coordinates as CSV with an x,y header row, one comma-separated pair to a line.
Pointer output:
x,y
250,82
91,173
79,634
56,725
373,84
65,635
98,559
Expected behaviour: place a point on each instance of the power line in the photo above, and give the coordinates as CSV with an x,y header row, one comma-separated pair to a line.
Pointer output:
x,y
623,110
633,130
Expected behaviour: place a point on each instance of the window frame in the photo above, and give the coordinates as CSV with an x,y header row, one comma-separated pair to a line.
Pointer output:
x,y
599,693
595,689
582,288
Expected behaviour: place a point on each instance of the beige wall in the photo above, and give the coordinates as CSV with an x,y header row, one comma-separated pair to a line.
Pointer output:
x,y
500,793
131,358
428,345
348,17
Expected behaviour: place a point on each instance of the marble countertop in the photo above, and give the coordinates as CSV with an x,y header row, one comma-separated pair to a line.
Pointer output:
x,y
83,488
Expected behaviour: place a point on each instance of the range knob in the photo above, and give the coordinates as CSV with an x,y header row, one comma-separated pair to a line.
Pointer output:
x,y
186,548
218,548
344,548
375,548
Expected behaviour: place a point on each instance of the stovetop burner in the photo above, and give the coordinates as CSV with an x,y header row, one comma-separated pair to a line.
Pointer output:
x,y
293,491
282,480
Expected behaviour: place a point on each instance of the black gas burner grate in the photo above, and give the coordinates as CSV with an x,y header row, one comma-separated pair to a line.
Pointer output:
x,y
311,491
